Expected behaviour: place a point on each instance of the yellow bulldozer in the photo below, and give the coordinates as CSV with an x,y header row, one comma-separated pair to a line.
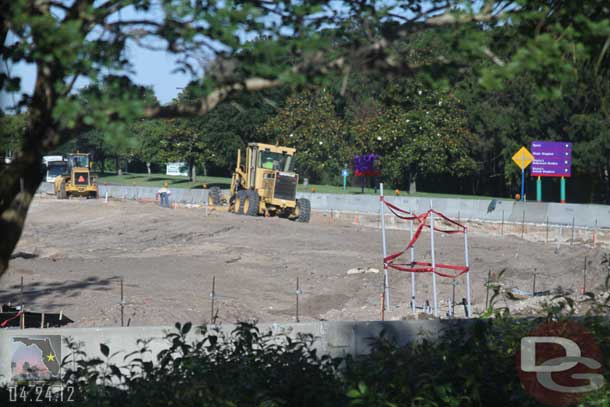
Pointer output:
x,y
77,181
264,183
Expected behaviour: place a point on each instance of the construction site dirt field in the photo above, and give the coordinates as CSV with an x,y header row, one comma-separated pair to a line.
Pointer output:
x,y
73,254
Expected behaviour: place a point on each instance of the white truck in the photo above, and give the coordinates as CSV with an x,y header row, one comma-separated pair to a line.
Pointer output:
x,y
55,165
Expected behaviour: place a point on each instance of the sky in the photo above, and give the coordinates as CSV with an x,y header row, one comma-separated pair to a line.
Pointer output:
x,y
153,68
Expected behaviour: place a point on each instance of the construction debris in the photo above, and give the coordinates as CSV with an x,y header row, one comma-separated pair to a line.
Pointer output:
x,y
13,317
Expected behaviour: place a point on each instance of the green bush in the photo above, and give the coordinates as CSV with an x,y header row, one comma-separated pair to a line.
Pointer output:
x,y
471,365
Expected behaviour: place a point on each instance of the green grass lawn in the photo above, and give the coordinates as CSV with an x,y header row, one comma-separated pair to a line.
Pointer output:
x,y
156,180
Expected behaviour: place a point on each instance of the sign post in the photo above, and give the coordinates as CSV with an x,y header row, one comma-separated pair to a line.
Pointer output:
x,y
538,189
552,159
344,174
523,158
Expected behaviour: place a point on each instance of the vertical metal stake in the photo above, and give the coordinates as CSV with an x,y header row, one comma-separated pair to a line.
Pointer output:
x,y
434,293
534,285
22,309
487,289
413,300
213,297
584,277
467,264
122,305
386,283
572,240
297,300
502,227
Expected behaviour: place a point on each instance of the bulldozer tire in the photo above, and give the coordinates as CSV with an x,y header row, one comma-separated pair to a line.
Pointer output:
x,y
215,196
304,210
240,198
251,202
62,191
92,195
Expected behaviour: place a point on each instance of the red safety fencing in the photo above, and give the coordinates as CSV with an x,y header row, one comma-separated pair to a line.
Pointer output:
x,y
419,266
6,321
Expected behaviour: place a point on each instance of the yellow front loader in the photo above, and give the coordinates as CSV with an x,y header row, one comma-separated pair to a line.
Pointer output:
x,y
77,181
264,183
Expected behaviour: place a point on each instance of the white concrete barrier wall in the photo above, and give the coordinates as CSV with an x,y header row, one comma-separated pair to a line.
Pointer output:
x,y
335,338
590,216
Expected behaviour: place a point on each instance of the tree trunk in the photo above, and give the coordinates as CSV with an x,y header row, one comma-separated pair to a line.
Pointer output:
x,y
607,185
412,184
192,171
19,182
148,167
117,164
205,170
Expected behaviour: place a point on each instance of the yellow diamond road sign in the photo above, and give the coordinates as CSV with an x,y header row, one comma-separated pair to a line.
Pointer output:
x,y
523,158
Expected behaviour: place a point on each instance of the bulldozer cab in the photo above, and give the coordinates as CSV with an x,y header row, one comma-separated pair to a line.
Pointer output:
x,y
79,161
278,161
262,163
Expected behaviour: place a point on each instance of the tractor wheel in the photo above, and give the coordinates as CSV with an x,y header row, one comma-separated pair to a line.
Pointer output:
x,y
92,195
240,198
303,210
215,196
251,202
62,191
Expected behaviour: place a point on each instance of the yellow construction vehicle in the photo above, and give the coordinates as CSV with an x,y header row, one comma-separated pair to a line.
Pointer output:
x,y
77,181
264,183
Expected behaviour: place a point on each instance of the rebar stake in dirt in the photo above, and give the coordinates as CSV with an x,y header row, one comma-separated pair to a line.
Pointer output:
x,y
212,298
122,305
22,309
297,293
584,277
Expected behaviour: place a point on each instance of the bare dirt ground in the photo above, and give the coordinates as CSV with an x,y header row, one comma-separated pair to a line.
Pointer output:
x,y
167,258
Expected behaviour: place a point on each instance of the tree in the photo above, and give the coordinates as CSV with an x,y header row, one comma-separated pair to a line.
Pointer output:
x,y
181,141
421,131
148,134
309,123
12,130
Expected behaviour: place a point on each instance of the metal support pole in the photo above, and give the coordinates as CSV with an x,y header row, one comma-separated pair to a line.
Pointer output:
x,y
122,305
502,227
562,196
213,297
434,293
467,263
413,303
487,289
534,285
22,308
539,189
298,292
584,277
386,283
522,180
